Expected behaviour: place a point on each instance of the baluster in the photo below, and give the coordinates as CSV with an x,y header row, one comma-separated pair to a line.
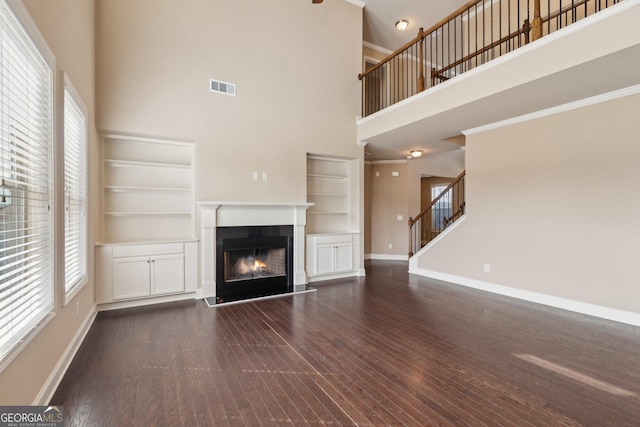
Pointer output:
x,y
422,63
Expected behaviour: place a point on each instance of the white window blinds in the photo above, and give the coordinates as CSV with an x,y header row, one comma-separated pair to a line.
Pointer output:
x,y
75,191
26,279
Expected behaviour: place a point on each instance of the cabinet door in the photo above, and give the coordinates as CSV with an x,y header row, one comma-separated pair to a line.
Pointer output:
x,y
324,257
344,257
168,274
131,277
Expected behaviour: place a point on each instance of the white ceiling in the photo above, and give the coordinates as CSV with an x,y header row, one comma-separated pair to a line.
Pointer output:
x,y
380,17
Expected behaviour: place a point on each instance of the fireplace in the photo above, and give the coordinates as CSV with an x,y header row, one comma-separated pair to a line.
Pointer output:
x,y
253,261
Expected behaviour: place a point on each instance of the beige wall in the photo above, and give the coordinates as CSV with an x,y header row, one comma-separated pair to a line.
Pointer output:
x,y
368,183
386,197
389,195
551,207
425,189
68,28
448,164
297,86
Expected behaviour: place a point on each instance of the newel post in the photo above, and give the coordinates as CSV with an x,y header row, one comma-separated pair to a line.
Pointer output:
x,y
421,59
536,32
410,237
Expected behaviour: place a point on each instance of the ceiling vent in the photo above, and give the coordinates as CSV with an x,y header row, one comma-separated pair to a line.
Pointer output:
x,y
222,87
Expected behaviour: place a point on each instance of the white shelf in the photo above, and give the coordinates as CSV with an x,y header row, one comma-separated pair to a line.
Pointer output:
x,y
137,163
327,195
122,188
147,190
328,213
330,186
145,213
318,176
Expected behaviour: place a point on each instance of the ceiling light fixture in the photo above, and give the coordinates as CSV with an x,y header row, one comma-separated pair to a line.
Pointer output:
x,y
416,153
402,24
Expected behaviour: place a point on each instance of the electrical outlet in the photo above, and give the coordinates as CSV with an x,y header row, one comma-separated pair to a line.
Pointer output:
x,y
390,245
399,217
487,268
265,176
255,176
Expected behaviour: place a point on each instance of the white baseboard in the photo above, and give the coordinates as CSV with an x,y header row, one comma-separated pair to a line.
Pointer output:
x,y
602,312
313,279
387,257
146,301
52,383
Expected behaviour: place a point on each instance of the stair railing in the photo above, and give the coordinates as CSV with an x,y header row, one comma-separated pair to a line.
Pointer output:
x,y
443,211
478,32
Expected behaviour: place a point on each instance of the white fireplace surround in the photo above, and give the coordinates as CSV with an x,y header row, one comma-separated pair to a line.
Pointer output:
x,y
231,214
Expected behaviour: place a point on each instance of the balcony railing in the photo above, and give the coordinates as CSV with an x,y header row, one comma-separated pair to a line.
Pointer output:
x,y
478,32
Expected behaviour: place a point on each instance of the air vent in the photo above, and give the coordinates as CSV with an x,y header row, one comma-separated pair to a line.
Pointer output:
x,y
222,87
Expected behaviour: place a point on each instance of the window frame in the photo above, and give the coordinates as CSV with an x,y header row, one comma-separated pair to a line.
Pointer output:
x,y
44,53
67,294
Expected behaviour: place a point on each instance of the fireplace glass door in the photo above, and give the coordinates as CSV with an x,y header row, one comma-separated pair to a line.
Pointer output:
x,y
249,264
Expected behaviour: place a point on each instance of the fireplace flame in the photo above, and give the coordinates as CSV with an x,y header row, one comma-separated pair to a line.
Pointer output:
x,y
248,266
259,265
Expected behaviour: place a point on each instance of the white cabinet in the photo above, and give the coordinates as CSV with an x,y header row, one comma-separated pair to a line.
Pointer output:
x,y
330,256
131,278
167,274
333,223
130,272
135,277
333,258
148,247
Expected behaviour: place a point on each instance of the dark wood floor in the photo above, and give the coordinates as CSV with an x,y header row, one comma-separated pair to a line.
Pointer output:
x,y
391,349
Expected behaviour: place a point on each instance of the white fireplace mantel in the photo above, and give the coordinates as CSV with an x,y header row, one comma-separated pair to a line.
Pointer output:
x,y
229,214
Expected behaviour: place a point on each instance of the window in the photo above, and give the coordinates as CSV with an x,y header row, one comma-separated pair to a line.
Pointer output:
x,y
75,191
26,242
442,208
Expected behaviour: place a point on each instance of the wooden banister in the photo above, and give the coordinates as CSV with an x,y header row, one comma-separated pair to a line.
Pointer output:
x,y
421,35
434,201
424,227
392,55
524,30
469,28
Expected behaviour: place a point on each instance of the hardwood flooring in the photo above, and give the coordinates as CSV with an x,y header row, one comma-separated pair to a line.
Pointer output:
x,y
388,349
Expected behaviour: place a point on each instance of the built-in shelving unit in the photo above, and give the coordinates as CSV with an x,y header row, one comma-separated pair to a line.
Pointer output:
x,y
333,232
148,248
147,190
329,187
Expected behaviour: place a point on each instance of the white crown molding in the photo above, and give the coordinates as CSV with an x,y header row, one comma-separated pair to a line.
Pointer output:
x,y
597,99
377,48
387,162
358,3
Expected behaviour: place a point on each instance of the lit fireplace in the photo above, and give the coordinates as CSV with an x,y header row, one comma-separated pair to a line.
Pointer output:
x,y
256,261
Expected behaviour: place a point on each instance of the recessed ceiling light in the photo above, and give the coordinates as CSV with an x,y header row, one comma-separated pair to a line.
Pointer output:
x,y
402,24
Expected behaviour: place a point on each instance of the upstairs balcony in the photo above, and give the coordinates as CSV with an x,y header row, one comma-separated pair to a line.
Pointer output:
x,y
494,60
